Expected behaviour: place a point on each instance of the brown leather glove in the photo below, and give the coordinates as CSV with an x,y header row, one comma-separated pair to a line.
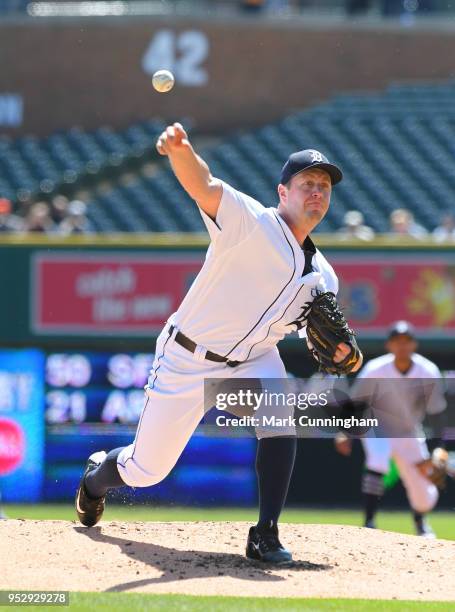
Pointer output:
x,y
435,468
326,329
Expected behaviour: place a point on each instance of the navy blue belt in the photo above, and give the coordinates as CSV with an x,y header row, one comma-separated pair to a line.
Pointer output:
x,y
190,346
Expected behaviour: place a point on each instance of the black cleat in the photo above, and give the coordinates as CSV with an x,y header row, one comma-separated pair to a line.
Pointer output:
x,y
264,545
90,510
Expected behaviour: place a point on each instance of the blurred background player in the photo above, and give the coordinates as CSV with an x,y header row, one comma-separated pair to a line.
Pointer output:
x,y
401,362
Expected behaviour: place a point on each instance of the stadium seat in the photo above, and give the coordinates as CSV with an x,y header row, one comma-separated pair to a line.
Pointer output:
x,y
396,149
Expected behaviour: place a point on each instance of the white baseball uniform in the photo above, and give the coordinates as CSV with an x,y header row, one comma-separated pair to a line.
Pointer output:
x,y
410,403
248,295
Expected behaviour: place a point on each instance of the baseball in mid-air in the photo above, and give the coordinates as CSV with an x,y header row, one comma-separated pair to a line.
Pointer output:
x,y
163,81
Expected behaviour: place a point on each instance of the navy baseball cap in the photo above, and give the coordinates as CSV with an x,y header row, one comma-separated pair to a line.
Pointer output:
x,y
309,158
402,328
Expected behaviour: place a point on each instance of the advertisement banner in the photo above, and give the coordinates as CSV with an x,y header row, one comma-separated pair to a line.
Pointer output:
x,y
376,292
135,294
131,294
21,425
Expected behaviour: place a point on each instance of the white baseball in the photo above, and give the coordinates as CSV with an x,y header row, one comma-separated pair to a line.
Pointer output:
x,y
163,81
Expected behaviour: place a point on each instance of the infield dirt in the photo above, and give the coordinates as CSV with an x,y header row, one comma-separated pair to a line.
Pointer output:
x,y
204,558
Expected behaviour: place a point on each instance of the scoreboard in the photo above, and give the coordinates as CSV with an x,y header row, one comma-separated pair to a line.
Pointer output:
x,y
94,387
93,401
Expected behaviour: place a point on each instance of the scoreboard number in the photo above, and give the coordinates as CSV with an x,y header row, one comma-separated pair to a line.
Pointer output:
x,y
63,370
65,407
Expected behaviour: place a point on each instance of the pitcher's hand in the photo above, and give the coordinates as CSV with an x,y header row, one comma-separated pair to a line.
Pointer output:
x,y
173,139
343,351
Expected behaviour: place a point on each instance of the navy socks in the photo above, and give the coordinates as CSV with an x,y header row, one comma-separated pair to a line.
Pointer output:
x,y
274,463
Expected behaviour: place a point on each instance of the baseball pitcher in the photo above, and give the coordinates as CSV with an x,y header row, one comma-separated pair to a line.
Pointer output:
x,y
261,272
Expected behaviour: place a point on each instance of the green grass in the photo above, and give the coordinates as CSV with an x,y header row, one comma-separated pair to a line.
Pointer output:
x,y
442,522
137,602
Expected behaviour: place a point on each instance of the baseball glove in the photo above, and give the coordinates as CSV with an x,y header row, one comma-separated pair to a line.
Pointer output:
x,y
435,468
326,329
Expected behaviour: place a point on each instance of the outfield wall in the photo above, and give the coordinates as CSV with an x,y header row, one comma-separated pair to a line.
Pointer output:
x,y
89,300
117,291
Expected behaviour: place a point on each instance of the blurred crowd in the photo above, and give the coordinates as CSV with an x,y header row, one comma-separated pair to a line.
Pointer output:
x,y
401,224
391,8
386,8
61,216
64,217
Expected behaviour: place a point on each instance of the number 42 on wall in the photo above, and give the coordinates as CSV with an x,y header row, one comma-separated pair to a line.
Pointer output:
x,y
182,53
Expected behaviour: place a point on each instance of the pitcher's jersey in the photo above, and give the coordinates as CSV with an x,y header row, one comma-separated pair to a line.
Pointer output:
x,y
410,396
254,284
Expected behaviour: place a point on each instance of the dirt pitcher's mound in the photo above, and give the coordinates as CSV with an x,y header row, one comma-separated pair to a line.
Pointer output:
x,y
207,559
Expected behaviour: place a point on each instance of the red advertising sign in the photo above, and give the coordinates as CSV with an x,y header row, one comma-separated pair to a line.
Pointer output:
x,y
377,291
108,293
121,293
